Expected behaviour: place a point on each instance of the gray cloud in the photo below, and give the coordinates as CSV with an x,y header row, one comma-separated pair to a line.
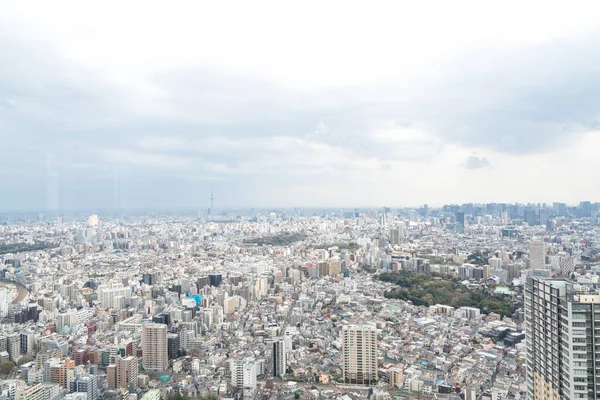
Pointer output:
x,y
527,100
474,162
207,126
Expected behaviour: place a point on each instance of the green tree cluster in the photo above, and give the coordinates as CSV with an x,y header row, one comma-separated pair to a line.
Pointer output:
x,y
478,257
282,239
6,368
24,247
424,289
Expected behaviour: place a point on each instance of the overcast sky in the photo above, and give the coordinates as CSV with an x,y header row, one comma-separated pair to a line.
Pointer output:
x,y
322,103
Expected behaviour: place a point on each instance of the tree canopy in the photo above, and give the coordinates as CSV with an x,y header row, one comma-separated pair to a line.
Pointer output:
x,y
424,289
6,368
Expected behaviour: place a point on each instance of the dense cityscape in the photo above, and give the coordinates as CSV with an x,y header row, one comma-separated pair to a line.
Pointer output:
x,y
456,302
312,200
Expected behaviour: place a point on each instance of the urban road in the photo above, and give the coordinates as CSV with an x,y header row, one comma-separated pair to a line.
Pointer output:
x,y
22,292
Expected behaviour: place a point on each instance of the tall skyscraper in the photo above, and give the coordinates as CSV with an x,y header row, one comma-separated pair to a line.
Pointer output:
x,y
460,222
279,357
559,209
359,354
537,255
561,340
154,347
543,217
530,216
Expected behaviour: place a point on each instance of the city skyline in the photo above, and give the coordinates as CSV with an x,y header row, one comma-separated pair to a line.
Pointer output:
x,y
205,208
376,302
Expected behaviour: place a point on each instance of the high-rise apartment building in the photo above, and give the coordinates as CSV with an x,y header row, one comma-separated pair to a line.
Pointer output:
x,y
537,255
562,340
567,264
173,346
155,347
279,355
13,346
202,282
110,295
359,354
86,384
215,279
55,371
27,342
396,235
243,374
122,373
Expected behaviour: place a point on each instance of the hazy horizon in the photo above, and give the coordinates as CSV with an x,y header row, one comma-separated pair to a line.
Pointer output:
x,y
226,210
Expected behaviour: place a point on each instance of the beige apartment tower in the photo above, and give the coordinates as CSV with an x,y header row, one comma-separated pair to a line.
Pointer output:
x,y
154,347
359,354
121,374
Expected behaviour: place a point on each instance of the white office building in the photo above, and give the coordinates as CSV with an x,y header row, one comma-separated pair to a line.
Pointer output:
x,y
243,375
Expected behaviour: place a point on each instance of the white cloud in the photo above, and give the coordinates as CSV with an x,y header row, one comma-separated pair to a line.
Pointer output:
x,y
315,103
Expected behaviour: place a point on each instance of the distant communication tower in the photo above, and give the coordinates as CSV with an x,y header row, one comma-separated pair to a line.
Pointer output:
x,y
212,202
